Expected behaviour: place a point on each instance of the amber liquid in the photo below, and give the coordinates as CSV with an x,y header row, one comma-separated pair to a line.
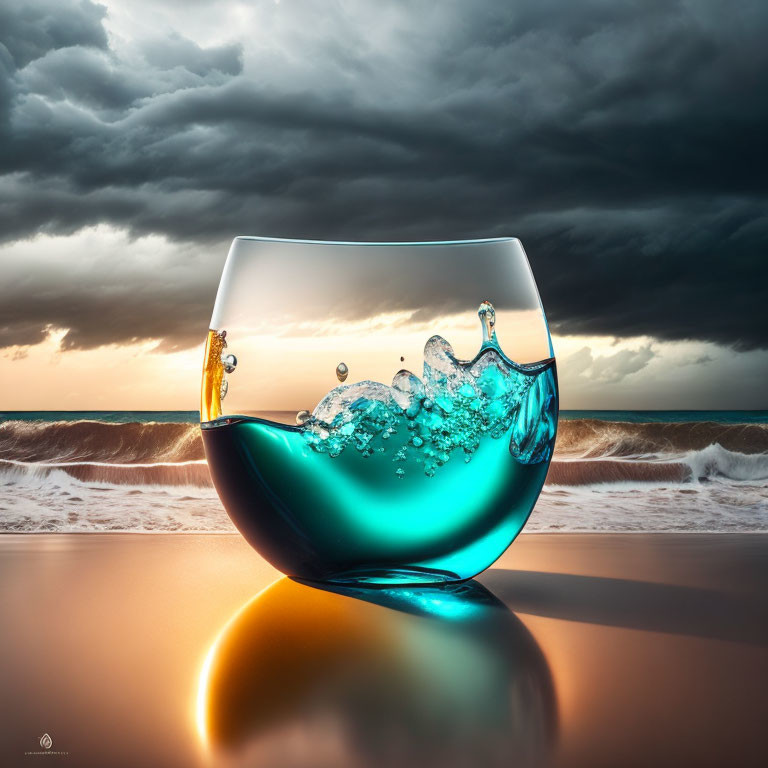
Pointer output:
x,y
213,376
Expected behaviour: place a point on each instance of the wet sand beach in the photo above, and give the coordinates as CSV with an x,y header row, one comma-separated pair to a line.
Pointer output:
x,y
573,650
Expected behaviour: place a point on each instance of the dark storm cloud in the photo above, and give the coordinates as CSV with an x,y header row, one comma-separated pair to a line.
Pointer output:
x,y
114,298
130,312
31,28
176,51
624,143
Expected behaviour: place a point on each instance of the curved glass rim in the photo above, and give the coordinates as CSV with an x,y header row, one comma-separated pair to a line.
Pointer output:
x,y
477,241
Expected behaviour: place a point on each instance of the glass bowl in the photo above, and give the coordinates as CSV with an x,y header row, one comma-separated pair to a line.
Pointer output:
x,y
378,413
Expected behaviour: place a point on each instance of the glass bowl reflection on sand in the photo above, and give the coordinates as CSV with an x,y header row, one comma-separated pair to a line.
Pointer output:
x,y
378,413
421,677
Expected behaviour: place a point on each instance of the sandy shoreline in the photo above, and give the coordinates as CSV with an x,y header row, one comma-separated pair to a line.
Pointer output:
x,y
655,647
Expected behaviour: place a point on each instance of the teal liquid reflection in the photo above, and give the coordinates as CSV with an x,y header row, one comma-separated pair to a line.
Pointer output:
x,y
391,677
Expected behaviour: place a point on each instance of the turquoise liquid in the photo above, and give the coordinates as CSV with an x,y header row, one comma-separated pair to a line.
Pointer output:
x,y
427,480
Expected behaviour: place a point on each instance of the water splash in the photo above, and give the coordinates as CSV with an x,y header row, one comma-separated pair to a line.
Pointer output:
x,y
487,315
448,411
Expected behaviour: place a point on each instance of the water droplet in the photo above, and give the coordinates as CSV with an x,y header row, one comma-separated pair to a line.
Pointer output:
x,y
302,417
487,315
342,371
223,390
229,362
402,359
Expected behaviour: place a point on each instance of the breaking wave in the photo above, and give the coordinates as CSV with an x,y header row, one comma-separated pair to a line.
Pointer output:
x,y
93,475
100,441
588,451
592,438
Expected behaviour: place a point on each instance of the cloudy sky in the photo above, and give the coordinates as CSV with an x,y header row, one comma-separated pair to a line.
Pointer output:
x,y
623,142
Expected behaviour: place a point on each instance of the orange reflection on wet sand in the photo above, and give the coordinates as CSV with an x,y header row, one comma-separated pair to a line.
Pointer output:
x,y
301,676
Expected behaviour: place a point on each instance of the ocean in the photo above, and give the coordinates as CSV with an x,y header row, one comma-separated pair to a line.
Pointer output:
x,y
613,471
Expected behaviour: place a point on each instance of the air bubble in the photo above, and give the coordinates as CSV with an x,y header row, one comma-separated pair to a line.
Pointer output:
x,y
342,371
302,417
229,362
